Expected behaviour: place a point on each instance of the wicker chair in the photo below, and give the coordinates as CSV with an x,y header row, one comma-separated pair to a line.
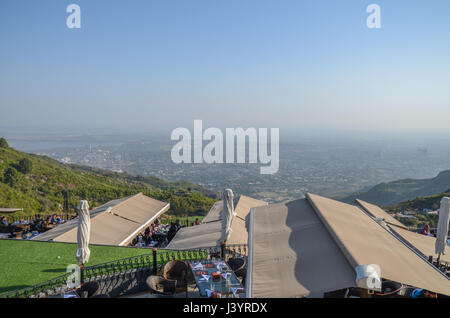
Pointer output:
x,y
178,271
161,286
91,288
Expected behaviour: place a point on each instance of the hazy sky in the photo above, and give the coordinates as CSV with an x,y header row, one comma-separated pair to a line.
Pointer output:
x,y
143,65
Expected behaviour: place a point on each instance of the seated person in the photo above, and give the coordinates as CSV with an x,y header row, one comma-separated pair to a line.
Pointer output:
x,y
5,221
148,237
425,230
172,232
53,219
141,242
177,225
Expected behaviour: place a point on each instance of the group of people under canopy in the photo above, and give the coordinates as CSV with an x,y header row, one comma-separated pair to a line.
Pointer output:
x,y
159,234
156,234
29,228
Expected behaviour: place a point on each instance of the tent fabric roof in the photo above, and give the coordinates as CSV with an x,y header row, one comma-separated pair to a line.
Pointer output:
x,y
110,204
293,255
363,241
245,204
209,232
379,213
10,210
295,245
126,218
423,243
203,235
239,232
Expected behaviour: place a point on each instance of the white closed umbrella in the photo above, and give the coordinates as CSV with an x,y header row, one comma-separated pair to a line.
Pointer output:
x,y
84,232
442,230
227,214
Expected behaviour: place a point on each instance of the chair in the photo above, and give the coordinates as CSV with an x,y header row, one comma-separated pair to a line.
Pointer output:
x,y
4,228
177,270
91,288
161,286
238,266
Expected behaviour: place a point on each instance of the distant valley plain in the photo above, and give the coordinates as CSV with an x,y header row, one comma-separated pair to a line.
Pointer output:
x,y
337,167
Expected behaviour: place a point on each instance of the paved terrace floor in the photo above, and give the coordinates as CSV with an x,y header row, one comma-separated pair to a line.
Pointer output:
x,y
192,293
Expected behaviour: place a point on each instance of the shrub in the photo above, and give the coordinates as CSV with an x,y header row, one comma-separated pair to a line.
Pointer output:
x,y
25,166
3,143
11,177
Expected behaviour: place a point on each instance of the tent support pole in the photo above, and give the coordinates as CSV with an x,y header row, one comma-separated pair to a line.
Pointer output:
x,y
154,261
81,274
222,250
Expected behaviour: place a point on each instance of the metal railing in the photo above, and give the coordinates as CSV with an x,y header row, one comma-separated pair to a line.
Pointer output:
x,y
123,276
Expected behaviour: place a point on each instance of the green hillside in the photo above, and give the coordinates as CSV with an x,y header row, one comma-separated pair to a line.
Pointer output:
x,y
431,202
403,190
37,184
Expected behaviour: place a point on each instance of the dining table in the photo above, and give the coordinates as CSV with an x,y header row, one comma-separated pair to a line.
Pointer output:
x,y
215,279
65,294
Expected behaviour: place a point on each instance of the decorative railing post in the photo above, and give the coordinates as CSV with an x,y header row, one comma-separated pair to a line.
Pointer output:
x,y
430,259
155,263
81,274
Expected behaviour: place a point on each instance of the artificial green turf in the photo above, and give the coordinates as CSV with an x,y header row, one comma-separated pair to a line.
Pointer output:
x,y
26,263
172,218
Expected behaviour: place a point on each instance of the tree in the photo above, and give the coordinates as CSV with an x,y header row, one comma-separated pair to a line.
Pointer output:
x,y
25,165
11,176
3,143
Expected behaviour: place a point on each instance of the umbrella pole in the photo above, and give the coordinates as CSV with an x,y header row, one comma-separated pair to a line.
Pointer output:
x,y
222,250
81,274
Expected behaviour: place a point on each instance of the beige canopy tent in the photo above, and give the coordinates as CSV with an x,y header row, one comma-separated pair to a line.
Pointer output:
x,y
203,235
209,233
239,234
114,223
365,242
424,244
214,213
292,254
285,255
10,210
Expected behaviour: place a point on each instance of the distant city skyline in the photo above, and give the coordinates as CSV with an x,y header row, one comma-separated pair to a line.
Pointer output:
x,y
301,66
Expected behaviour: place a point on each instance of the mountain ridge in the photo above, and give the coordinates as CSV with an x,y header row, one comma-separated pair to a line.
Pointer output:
x,y
390,193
